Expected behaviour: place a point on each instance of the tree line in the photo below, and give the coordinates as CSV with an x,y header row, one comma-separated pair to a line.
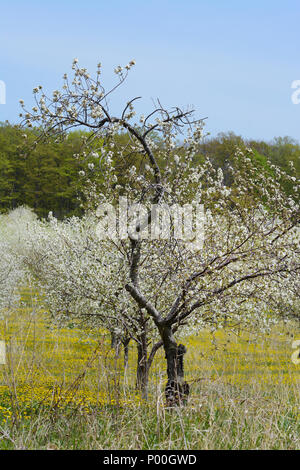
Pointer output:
x,y
46,176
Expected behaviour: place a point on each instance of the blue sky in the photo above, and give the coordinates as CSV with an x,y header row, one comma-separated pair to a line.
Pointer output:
x,y
233,60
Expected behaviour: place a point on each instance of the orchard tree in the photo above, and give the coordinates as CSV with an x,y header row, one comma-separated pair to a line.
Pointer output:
x,y
247,271
10,276
12,270
83,281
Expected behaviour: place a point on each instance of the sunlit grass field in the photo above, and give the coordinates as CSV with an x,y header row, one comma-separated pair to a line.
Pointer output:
x,y
65,388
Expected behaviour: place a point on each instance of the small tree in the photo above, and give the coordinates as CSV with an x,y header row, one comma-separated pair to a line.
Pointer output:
x,y
84,279
12,272
247,271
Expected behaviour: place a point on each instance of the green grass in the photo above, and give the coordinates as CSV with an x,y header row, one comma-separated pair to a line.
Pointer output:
x,y
244,391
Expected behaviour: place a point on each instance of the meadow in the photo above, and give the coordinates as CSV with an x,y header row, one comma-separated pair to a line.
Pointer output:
x,y
65,388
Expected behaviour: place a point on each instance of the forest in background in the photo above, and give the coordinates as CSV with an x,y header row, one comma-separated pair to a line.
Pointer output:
x,y
46,176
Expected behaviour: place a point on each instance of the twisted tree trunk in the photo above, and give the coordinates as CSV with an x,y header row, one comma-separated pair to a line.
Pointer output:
x,y
177,390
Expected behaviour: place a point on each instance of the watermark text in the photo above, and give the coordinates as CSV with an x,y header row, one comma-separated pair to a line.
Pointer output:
x,y
159,222
296,94
2,92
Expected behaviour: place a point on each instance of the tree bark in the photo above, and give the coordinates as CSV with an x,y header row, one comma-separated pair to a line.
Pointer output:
x,y
115,343
142,371
126,351
177,390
